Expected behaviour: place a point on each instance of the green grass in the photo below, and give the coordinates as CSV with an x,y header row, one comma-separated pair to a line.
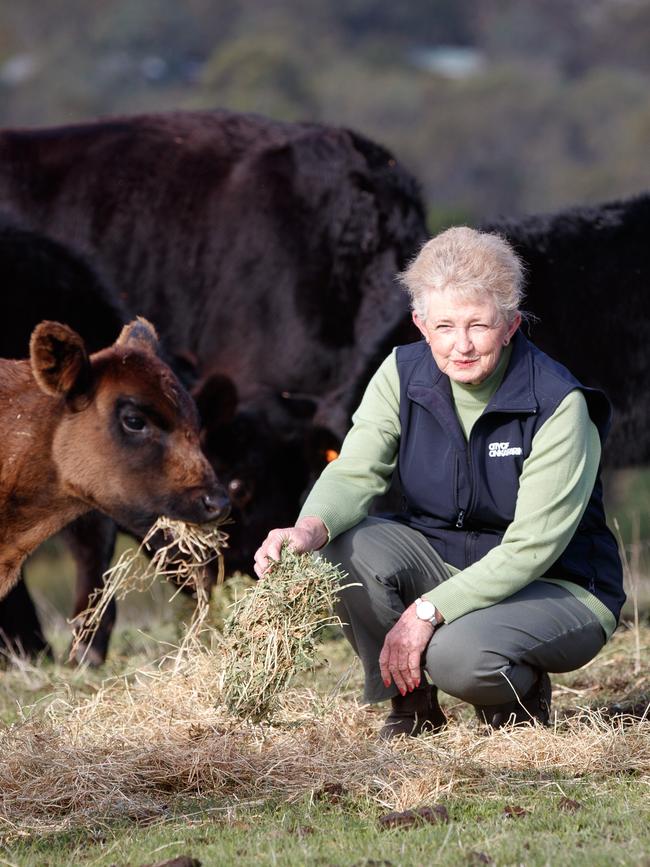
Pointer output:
x,y
611,827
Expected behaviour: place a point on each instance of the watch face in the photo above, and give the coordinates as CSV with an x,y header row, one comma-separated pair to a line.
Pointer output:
x,y
425,610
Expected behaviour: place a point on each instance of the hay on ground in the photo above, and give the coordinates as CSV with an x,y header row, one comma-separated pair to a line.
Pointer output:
x,y
141,745
135,747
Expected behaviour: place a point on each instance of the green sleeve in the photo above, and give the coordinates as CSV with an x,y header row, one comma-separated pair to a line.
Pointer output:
x,y
342,495
555,486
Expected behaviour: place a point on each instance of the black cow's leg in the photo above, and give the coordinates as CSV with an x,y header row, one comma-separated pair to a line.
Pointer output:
x,y
20,628
91,540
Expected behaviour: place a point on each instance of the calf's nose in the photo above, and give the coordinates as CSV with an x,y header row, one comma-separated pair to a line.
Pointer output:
x,y
216,506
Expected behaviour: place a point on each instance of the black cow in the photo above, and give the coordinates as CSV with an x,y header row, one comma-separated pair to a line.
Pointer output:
x,y
42,279
264,251
589,285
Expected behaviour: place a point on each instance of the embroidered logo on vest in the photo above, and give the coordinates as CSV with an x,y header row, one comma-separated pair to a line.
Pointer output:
x,y
502,450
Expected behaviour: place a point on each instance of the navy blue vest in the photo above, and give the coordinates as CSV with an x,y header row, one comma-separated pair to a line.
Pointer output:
x,y
461,495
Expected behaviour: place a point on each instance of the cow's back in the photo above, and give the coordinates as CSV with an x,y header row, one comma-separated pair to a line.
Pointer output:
x,y
588,285
270,243
43,279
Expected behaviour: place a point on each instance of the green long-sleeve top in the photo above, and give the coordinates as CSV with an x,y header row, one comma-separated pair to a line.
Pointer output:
x,y
556,482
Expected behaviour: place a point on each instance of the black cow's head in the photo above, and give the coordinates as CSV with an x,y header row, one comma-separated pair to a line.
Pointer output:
x,y
268,452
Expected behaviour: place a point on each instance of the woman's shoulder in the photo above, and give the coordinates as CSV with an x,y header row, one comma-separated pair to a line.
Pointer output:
x,y
555,383
410,351
551,367
413,361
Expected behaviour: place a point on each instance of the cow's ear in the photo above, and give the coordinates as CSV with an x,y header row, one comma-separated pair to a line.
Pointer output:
x,y
59,360
139,334
216,398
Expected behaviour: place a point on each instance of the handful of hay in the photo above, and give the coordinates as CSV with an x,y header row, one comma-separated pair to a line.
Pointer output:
x,y
187,551
273,632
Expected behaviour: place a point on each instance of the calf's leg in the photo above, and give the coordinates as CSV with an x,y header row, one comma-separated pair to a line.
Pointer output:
x,y
20,628
91,540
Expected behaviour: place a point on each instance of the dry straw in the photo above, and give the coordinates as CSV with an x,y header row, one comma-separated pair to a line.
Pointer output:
x,y
182,553
271,634
185,727
137,750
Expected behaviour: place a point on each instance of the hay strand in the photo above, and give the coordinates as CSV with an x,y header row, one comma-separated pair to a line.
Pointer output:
x,y
186,552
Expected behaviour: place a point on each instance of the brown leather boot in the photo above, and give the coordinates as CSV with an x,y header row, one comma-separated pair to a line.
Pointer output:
x,y
414,713
535,707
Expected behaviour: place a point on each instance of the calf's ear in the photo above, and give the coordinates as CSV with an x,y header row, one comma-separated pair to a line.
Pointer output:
x,y
139,334
59,360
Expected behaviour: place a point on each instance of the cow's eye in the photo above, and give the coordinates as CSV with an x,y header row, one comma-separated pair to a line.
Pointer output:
x,y
239,492
133,422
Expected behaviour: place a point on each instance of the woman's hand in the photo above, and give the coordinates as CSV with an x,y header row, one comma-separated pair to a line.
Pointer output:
x,y
401,655
309,534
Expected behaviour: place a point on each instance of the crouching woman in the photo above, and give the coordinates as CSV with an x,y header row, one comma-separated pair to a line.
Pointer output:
x,y
499,568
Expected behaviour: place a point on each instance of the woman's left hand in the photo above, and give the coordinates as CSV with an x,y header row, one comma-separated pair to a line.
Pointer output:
x,y
401,655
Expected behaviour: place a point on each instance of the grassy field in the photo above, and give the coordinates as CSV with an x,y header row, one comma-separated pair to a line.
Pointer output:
x,y
313,786
582,788
312,789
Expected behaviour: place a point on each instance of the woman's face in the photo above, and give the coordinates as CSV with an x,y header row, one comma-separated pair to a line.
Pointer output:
x,y
466,336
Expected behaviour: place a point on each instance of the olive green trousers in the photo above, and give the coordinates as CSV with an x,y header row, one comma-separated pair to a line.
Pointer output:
x,y
488,657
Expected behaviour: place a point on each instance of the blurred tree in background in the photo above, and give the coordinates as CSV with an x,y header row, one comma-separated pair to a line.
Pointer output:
x,y
503,106
258,73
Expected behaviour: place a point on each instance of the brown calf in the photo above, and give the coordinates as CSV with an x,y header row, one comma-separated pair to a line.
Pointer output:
x,y
113,431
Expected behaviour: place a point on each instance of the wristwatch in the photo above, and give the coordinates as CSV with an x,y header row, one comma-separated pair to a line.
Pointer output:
x,y
425,610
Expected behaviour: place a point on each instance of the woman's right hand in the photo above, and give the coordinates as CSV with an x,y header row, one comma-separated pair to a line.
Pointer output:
x,y
309,534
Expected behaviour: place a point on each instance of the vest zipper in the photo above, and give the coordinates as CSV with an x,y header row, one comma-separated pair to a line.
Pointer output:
x,y
470,468
460,518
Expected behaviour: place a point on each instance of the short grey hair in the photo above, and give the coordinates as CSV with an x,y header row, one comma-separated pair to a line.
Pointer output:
x,y
472,263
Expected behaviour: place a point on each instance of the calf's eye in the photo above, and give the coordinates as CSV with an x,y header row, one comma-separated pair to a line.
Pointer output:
x,y
134,423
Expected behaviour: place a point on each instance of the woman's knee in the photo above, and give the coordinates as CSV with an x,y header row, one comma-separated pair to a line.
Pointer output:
x,y
452,669
363,547
352,553
466,670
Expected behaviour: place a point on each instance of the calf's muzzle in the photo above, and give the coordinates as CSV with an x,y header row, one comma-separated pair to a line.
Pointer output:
x,y
216,505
